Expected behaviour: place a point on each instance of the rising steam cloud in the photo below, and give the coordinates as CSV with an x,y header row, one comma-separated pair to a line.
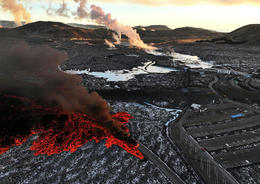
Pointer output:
x,y
82,11
97,15
18,11
63,10
100,17
110,44
24,72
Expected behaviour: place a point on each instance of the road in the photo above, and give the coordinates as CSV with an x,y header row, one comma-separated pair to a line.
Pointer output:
x,y
169,173
211,86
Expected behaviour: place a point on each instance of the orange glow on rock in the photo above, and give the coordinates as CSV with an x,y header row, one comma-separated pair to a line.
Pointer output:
x,y
70,131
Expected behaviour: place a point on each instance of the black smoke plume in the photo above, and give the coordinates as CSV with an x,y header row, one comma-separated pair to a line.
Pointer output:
x,y
34,73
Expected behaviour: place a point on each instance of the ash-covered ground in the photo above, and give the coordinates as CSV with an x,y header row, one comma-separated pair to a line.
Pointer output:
x,y
148,127
94,163
248,174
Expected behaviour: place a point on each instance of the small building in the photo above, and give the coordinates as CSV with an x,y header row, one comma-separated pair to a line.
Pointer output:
x,y
195,107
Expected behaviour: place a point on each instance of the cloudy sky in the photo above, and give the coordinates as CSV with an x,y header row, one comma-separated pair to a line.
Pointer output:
x,y
221,15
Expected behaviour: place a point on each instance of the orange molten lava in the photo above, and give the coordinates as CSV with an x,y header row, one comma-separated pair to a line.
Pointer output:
x,y
69,131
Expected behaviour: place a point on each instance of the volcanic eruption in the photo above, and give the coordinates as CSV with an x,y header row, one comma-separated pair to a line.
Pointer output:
x,y
37,98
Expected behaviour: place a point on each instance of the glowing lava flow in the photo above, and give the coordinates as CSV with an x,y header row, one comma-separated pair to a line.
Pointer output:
x,y
60,131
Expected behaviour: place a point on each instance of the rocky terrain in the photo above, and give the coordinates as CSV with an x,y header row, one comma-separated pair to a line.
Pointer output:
x,y
240,57
93,163
234,67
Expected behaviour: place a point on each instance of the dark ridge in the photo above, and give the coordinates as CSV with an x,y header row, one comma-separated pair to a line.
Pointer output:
x,y
154,27
55,30
87,26
248,35
195,32
179,34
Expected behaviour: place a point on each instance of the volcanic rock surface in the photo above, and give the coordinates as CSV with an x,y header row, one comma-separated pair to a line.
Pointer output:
x,y
235,66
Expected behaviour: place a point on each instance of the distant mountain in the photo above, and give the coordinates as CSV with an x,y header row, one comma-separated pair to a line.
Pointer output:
x,y
55,30
7,24
150,34
195,32
153,28
87,26
179,34
249,34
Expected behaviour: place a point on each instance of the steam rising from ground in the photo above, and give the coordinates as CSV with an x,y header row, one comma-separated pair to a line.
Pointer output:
x,y
97,15
110,44
117,39
25,72
100,17
18,11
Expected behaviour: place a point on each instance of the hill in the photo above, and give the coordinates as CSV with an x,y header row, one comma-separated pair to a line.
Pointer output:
x,y
249,34
150,34
87,26
7,24
195,32
54,30
179,34
153,28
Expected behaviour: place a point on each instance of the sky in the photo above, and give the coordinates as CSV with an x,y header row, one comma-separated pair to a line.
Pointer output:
x,y
220,15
